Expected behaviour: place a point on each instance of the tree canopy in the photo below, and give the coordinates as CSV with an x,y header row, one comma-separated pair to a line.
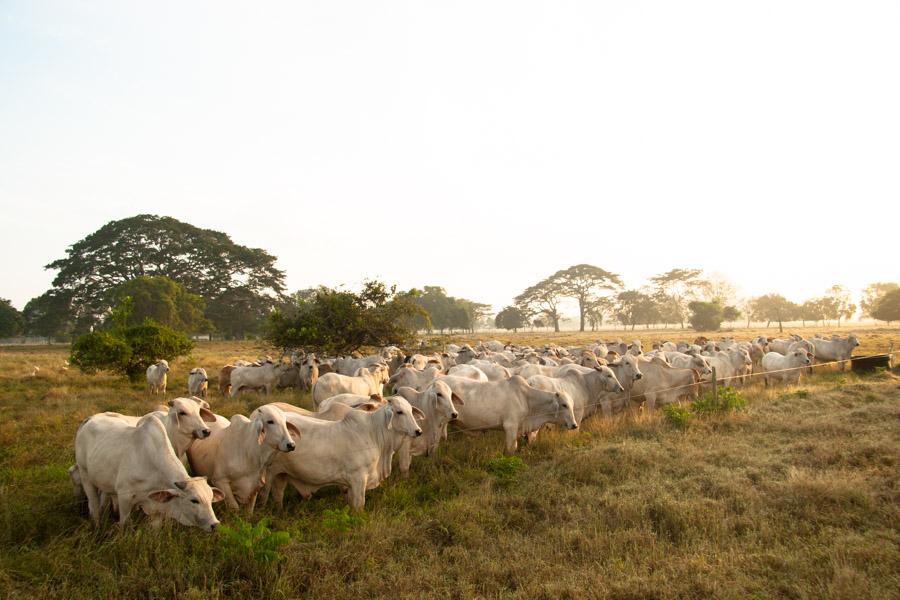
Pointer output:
x,y
163,301
206,262
340,321
774,307
446,312
585,283
510,318
706,316
634,307
674,289
888,307
873,293
11,320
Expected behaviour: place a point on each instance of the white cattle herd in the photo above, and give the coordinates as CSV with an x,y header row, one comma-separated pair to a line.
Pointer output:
x,y
349,440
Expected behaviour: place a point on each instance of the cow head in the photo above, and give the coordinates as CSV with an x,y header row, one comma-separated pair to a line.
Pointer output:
x,y
401,416
163,365
272,429
190,417
189,502
610,381
565,410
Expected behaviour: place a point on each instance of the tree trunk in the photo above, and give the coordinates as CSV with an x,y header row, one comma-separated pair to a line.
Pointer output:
x,y
780,327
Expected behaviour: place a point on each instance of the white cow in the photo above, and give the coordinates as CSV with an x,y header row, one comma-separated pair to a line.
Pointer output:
x,y
157,375
438,403
584,385
837,348
681,360
787,367
365,381
138,466
510,405
349,366
235,457
493,371
351,400
468,371
354,453
409,376
186,420
198,382
265,376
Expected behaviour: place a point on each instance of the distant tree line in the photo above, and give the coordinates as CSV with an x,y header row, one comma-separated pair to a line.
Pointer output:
x,y
162,271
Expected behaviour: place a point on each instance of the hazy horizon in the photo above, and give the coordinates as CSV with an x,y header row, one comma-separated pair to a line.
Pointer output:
x,y
479,147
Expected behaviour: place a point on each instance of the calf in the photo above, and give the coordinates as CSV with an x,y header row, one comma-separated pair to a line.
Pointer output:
x,y
157,375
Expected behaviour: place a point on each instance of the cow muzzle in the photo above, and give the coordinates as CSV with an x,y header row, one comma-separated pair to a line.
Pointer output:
x,y
418,432
202,434
638,376
290,447
454,415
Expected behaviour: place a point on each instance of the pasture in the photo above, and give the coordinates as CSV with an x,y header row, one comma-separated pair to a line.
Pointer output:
x,y
796,496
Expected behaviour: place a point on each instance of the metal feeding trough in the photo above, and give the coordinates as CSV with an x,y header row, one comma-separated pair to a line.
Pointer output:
x,y
870,363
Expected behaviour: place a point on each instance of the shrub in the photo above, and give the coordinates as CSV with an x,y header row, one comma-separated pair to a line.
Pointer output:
x,y
706,316
128,351
677,416
255,542
730,400
340,519
99,350
505,468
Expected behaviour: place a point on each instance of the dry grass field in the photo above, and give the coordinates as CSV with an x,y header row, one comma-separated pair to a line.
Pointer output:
x,y
797,496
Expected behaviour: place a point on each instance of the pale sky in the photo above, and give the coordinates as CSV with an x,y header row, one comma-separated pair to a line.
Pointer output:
x,y
478,145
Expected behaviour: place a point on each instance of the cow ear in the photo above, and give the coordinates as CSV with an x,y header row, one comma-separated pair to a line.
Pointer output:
x,y
163,495
292,429
376,397
418,414
456,399
368,407
171,402
260,431
218,495
207,415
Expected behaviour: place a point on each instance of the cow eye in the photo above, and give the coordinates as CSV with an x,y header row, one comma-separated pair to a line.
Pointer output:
x,y
270,422
182,413
194,501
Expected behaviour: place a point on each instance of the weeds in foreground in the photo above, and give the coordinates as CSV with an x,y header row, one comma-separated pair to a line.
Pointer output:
x,y
505,469
340,519
677,416
257,542
730,400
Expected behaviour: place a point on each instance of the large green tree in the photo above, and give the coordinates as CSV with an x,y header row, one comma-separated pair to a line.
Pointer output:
x,y
49,315
510,318
678,286
543,298
888,307
340,321
162,300
873,293
585,283
774,307
11,321
706,316
205,262
634,307
447,312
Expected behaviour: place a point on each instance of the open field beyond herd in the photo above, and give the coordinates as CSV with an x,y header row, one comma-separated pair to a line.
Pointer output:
x,y
796,496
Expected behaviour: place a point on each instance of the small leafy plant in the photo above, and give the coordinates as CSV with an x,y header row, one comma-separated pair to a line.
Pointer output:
x,y
340,519
505,468
677,416
730,400
256,542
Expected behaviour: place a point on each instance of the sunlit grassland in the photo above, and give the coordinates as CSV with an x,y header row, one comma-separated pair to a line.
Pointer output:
x,y
796,496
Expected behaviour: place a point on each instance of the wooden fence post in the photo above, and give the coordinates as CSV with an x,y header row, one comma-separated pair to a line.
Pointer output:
x,y
715,383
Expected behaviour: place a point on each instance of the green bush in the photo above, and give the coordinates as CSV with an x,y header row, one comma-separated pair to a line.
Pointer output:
x,y
677,416
730,400
99,350
340,519
255,542
130,350
505,468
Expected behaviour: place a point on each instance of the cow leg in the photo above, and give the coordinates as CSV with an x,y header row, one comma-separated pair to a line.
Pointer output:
x,y
277,486
230,500
125,504
93,499
251,502
404,460
512,435
356,495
